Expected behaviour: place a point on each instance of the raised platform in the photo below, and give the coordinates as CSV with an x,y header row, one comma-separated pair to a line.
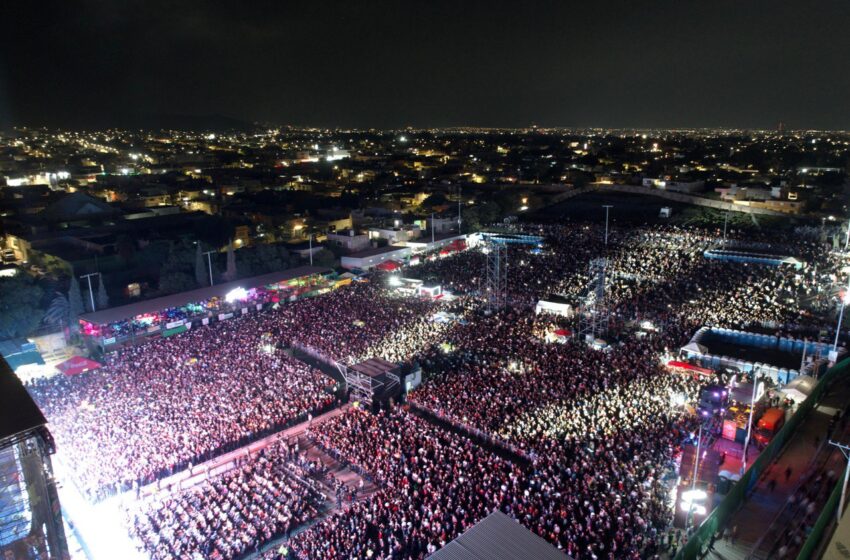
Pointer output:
x,y
373,379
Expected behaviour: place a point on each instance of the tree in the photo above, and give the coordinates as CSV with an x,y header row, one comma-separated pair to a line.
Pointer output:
x,y
102,296
201,276
436,199
230,273
125,247
270,258
59,311
472,219
175,281
324,258
75,304
488,212
20,302
214,231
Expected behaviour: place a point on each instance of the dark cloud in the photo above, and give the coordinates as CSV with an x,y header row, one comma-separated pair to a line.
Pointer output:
x,y
670,63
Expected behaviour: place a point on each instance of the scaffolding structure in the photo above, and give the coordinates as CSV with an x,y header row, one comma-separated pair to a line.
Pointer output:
x,y
594,314
496,274
31,524
373,379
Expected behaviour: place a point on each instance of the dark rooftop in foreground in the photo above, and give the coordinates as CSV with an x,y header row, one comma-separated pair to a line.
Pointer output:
x,y
18,412
498,537
120,313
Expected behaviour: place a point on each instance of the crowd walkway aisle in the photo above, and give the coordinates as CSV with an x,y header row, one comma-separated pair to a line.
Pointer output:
x,y
764,503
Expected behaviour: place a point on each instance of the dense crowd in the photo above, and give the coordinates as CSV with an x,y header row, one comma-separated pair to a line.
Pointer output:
x,y
602,428
156,408
596,431
227,517
349,323
435,484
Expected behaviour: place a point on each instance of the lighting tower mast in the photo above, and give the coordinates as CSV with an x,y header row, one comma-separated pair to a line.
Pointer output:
x,y
496,274
594,313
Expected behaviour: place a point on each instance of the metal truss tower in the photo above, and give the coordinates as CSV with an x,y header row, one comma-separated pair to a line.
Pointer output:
x,y
496,277
594,313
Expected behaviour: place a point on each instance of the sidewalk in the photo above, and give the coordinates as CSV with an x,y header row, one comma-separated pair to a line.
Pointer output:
x,y
761,508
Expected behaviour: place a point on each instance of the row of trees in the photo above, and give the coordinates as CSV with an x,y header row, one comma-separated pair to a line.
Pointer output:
x,y
22,304
188,266
26,304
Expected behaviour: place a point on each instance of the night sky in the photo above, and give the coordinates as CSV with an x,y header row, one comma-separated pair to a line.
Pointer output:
x,y
677,63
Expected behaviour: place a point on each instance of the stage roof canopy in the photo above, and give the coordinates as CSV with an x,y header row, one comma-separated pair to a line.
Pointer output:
x,y
113,314
498,537
18,412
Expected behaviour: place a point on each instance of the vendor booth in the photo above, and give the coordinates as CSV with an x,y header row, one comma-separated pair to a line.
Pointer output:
x,y
169,315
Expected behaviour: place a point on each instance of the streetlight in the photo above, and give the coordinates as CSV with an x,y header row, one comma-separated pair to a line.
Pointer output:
x,y
606,207
844,301
725,222
750,423
845,450
311,248
91,292
847,239
209,263
694,480
459,199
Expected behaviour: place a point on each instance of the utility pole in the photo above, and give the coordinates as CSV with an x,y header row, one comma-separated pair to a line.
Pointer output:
x,y
847,239
606,207
725,222
432,229
91,292
845,450
209,264
311,249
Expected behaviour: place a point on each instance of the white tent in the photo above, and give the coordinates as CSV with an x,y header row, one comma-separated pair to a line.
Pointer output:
x,y
695,348
800,388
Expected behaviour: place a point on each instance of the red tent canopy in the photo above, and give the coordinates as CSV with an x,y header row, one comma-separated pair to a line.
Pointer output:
x,y
389,266
563,332
689,367
77,365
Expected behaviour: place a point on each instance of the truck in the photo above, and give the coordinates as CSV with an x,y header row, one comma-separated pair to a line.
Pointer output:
x,y
769,425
